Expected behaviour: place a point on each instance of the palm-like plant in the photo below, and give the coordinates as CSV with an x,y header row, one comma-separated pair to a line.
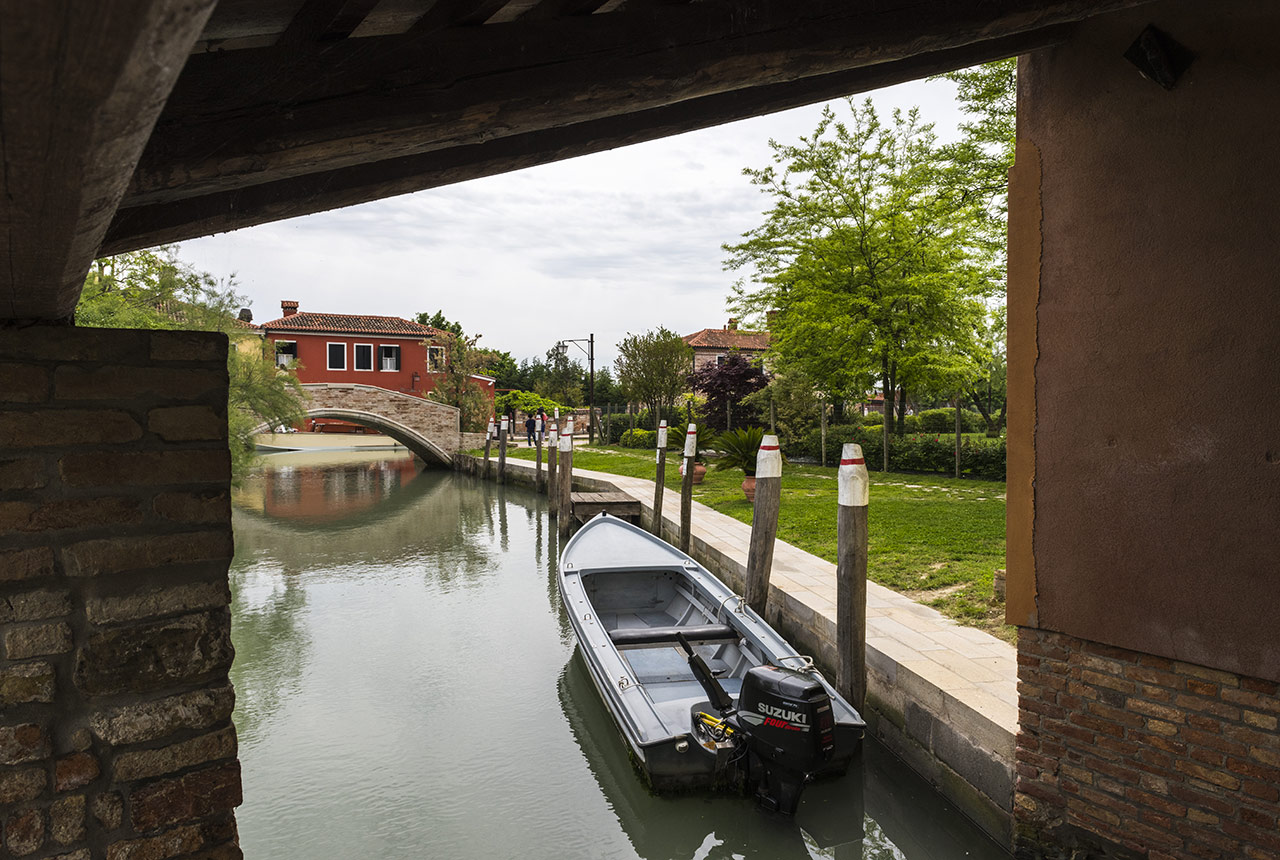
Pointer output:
x,y
738,449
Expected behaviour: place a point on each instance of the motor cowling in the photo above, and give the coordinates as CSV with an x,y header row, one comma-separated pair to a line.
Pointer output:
x,y
790,730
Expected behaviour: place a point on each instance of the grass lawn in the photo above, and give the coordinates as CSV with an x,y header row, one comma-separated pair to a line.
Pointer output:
x,y
937,540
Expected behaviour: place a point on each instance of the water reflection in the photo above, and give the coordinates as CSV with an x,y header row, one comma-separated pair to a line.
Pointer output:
x,y
407,687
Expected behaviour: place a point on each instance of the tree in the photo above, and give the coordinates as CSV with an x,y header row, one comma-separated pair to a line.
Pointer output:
x,y
438,320
153,289
987,389
724,386
654,367
874,269
457,385
978,164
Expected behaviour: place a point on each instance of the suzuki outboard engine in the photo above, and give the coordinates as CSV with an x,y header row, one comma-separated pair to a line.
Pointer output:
x,y
790,730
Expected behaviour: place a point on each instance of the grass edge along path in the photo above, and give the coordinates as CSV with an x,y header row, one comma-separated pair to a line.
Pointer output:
x,y
936,540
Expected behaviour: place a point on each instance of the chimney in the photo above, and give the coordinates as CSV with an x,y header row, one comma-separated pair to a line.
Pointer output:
x,y
246,315
289,308
733,324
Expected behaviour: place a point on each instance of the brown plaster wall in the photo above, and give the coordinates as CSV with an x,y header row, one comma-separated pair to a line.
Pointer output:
x,y
116,738
1155,361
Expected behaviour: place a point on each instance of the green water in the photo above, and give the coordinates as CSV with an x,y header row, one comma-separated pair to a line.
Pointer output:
x,y
408,687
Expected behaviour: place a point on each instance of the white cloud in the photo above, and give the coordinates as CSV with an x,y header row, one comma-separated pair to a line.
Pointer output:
x,y
617,242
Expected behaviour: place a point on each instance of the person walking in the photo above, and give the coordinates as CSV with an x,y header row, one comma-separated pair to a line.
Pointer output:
x,y
530,427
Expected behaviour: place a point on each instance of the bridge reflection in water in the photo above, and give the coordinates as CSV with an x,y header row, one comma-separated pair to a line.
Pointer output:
x,y
407,687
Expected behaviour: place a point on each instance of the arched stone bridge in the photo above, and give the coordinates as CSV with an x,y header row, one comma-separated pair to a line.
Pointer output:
x,y
427,428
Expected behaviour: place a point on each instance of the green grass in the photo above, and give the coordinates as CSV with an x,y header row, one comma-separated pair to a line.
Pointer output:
x,y
937,540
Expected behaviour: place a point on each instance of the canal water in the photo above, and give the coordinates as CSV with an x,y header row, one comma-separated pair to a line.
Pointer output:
x,y
408,687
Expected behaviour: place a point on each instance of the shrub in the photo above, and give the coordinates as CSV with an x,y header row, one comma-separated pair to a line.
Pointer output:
x,y
911,424
638,438
979,458
738,449
944,421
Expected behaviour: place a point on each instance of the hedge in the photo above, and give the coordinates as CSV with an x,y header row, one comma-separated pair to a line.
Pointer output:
x,y
979,458
638,438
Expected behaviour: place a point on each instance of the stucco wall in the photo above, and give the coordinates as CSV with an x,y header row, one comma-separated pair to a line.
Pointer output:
x,y
1147,347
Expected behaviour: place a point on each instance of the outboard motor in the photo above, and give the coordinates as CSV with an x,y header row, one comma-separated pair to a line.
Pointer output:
x,y
790,730
785,720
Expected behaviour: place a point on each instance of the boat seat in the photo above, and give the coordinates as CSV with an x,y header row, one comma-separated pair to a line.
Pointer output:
x,y
641,637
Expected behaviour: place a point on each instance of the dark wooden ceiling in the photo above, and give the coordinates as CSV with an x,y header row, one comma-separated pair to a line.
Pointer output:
x,y
206,116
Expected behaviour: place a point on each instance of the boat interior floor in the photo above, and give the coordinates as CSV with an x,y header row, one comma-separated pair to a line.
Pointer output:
x,y
664,671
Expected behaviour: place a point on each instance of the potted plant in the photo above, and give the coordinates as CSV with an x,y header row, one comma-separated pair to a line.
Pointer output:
x,y
738,450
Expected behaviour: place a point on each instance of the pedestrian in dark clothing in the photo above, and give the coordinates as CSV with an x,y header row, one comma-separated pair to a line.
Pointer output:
x,y
529,426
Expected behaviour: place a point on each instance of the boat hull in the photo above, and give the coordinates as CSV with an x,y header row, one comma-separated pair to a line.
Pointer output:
x,y
654,712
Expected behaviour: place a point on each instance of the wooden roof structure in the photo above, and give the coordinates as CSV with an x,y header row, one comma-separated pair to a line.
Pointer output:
x,y
131,123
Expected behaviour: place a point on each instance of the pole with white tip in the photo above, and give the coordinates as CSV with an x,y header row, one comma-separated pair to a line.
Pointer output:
x,y
660,479
537,440
488,442
565,518
764,523
853,495
686,486
553,489
503,429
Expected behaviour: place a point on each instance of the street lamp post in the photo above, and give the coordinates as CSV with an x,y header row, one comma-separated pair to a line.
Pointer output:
x,y
563,348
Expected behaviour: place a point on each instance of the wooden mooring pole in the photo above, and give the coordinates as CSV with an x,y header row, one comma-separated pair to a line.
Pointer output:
x,y
686,486
537,469
764,523
488,442
660,479
553,489
565,518
503,430
853,494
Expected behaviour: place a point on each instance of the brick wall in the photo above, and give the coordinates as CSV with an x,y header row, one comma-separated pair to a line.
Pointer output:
x,y
1125,754
115,538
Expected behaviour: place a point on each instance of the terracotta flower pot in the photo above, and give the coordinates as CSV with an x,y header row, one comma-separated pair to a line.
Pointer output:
x,y
749,487
699,470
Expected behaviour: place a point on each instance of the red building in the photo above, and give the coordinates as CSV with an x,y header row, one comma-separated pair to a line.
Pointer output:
x,y
387,352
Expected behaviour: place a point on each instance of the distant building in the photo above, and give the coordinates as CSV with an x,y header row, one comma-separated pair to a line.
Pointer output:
x,y
387,352
713,345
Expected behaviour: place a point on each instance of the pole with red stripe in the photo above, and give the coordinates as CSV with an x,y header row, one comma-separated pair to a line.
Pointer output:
x,y
686,487
764,523
853,495
660,479
553,487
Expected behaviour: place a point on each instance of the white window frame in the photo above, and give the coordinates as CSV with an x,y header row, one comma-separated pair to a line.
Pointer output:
x,y
443,357
328,354
276,350
721,358
399,357
373,359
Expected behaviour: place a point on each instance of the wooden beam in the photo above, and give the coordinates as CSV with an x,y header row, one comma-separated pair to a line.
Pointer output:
x,y
81,85
153,224
411,95
325,21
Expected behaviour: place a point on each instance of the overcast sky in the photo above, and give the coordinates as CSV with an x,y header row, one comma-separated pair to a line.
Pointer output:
x,y
617,242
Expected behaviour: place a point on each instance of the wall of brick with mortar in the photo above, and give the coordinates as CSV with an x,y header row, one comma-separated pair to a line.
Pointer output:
x,y
1126,754
116,738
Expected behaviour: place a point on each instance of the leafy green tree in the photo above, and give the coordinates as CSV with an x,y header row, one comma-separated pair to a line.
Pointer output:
x,y
153,289
438,320
560,378
524,402
977,166
457,385
654,367
874,269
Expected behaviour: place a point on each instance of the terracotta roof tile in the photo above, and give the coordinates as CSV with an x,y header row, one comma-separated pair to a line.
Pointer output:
x,y
723,338
350,324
